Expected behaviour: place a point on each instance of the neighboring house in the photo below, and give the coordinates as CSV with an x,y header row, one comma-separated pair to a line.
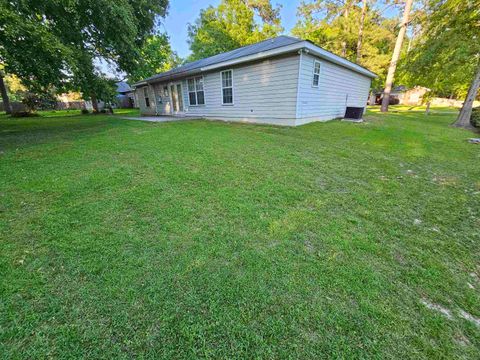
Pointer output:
x,y
401,95
283,81
70,101
125,95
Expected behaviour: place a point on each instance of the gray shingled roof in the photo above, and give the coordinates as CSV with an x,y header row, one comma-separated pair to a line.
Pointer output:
x,y
123,87
265,45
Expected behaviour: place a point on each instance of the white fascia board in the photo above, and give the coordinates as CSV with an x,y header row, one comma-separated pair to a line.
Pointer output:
x,y
139,84
257,56
318,51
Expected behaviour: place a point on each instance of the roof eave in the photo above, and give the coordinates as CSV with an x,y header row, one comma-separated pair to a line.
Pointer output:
x,y
253,57
327,55
301,45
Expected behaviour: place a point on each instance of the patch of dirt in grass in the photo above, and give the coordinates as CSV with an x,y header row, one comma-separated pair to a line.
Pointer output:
x,y
309,247
436,307
399,258
448,314
445,180
462,340
469,317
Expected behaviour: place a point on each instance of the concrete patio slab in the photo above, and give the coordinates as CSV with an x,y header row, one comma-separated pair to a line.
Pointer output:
x,y
156,118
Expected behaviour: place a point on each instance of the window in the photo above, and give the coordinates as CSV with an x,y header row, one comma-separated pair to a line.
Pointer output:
x,y
147,98
227,87
196,95
162,95
316,73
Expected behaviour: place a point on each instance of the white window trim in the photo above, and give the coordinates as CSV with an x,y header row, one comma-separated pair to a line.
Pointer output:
x,y
146,95
319,73
221,88
195,85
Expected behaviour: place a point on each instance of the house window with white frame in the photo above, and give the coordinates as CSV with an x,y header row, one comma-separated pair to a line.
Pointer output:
x,y
146,96
227,87
196,95
316,73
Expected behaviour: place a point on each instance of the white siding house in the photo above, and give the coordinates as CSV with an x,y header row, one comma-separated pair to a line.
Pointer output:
x,y
282,81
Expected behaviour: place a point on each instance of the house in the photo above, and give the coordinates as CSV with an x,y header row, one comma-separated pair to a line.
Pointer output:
x,y
401,95
281,81
125,95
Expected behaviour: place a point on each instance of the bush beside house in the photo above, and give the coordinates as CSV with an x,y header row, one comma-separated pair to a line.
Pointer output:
x,y
475,117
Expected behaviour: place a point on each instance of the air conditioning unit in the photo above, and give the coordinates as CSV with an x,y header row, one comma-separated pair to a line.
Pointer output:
x,y
354,113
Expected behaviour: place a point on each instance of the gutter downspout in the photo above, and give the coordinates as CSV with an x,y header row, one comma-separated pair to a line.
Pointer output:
x,y
297,109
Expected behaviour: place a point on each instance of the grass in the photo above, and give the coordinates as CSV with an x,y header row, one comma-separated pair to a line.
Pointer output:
x,y
198,239
74,112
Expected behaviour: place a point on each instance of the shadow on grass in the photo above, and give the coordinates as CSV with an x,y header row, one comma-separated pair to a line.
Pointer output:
x,y
15,132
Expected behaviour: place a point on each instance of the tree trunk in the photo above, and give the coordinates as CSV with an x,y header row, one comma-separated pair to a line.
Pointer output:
x,y
395,56
360,31
5,99
463,119
345,15
427,110
94,103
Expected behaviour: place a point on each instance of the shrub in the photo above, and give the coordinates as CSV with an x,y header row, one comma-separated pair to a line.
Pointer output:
x,y
43,101
85,112
475,117
20,114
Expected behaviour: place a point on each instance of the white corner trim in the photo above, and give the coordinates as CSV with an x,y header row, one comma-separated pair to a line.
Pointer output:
x,y
297,109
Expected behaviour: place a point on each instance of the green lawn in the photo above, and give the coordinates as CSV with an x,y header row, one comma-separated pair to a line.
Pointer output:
x,y
198,239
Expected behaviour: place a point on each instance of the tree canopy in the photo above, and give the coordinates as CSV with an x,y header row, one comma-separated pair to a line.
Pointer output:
x,y
444,54
335,26
155,56
231,25
55,43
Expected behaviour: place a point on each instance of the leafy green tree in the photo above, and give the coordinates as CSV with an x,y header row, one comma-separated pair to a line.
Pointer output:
x,y
156,56
29,50
56,43
230,25
445,56
352,29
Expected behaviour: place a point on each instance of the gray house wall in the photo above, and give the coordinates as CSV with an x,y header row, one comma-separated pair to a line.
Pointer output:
x,y
338,88
262,92
276,91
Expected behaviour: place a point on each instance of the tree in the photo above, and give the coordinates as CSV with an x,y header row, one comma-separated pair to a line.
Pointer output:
x,y
325,23
3,91
156,56
231,25
463,119
396,56
446,52
56,43
29,49
360,30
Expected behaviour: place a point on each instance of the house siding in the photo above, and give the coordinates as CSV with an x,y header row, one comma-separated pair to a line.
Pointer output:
x,y
141,101
263,92
338,88
275,91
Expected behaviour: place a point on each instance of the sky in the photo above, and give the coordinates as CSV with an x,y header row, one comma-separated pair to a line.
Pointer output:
x,y
182,12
